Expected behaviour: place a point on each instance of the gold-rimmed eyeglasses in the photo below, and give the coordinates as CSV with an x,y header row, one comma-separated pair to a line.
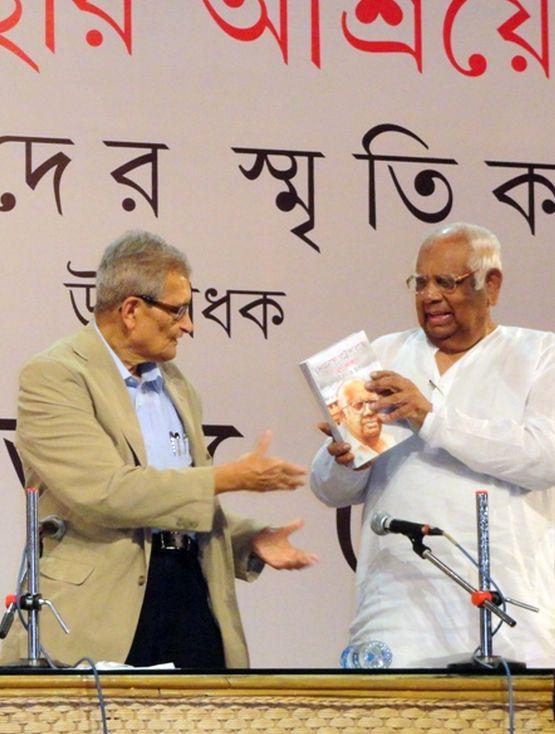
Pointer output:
x,y
443,282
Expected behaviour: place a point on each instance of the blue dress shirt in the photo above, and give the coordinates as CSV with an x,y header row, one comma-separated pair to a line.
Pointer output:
x,y
166,443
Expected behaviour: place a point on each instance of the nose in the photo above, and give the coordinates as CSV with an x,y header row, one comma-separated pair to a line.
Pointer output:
x,y
186,323
368,407
430,292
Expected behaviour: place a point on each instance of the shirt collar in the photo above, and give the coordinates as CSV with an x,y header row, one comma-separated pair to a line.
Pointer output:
x,y
150,376
149,372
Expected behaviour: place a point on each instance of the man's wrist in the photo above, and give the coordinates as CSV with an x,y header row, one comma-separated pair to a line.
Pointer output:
x,y
225,478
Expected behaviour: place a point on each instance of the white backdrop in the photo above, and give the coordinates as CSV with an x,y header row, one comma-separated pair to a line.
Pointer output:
x,y
188,83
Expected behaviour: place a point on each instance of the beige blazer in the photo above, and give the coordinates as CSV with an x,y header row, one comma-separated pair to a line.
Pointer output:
x,y
81,444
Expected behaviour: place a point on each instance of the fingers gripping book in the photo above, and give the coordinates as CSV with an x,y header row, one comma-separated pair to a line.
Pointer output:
x,y
337,377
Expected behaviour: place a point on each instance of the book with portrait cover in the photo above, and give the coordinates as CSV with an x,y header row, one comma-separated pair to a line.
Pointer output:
x,y
336,376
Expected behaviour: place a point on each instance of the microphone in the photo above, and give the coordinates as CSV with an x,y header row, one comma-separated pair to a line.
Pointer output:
x,y
52,526
382,523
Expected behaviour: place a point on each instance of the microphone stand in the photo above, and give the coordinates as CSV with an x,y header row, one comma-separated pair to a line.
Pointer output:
x,y
32,601
482,529
486,600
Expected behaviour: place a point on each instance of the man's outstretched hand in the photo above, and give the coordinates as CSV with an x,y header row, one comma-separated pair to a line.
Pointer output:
x,y
272,545
257,472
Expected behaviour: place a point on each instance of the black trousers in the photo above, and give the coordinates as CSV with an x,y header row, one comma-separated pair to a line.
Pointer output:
x,y
176,624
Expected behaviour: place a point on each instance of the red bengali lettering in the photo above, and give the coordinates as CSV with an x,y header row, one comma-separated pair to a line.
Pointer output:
x,y
49,25
477,63
256,29
315,33
263,22
369,11
6,25
507,32
94,37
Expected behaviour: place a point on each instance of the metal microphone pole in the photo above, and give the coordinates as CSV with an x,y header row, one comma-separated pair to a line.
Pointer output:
x,y
482,529
485,656
33,641
31,601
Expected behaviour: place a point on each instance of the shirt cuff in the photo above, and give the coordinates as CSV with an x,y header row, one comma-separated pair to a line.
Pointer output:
x,y
332,482
255,564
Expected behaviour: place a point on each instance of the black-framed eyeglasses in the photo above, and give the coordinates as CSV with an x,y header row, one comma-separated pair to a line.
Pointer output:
x,y
444,283
176,312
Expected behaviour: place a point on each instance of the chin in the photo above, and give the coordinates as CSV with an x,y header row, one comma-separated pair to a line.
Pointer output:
x,y
439,335
167,354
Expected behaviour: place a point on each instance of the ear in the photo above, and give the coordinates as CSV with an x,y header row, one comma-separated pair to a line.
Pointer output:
x,y
494,279
128,310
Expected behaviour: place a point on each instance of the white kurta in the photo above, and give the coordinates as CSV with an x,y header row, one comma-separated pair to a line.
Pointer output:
x,y
492,427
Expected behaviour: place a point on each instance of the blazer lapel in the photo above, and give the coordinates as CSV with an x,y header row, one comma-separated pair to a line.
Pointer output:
x,y
105,377
181,398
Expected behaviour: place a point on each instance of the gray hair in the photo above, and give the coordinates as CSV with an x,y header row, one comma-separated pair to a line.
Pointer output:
x,y
137,263
486,248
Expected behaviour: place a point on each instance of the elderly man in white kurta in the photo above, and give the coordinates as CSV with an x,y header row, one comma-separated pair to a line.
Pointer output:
x,y
480,400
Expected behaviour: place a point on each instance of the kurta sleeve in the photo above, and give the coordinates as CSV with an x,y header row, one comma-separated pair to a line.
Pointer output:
x,y
336,485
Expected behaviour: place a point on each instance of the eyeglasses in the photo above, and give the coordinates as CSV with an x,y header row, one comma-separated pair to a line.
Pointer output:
x,y
359,405
444,283
176,312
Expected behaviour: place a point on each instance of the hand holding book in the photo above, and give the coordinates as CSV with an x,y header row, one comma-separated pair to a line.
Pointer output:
x,y
340,378
398,398
341,452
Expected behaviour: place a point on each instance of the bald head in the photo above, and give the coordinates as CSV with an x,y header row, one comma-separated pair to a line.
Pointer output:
x,y
459,278
484,249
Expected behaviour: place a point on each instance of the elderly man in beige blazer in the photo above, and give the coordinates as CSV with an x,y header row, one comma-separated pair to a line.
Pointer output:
x,y
82,444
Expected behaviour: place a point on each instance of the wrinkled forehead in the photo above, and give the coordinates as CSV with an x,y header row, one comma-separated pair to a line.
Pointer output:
x,y
449,254
357,391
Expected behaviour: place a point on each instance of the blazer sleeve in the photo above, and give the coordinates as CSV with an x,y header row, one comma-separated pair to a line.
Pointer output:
x,y
247,565
89,467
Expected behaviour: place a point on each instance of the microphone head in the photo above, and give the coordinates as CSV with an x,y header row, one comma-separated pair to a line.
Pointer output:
x,y
378,522
53,527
